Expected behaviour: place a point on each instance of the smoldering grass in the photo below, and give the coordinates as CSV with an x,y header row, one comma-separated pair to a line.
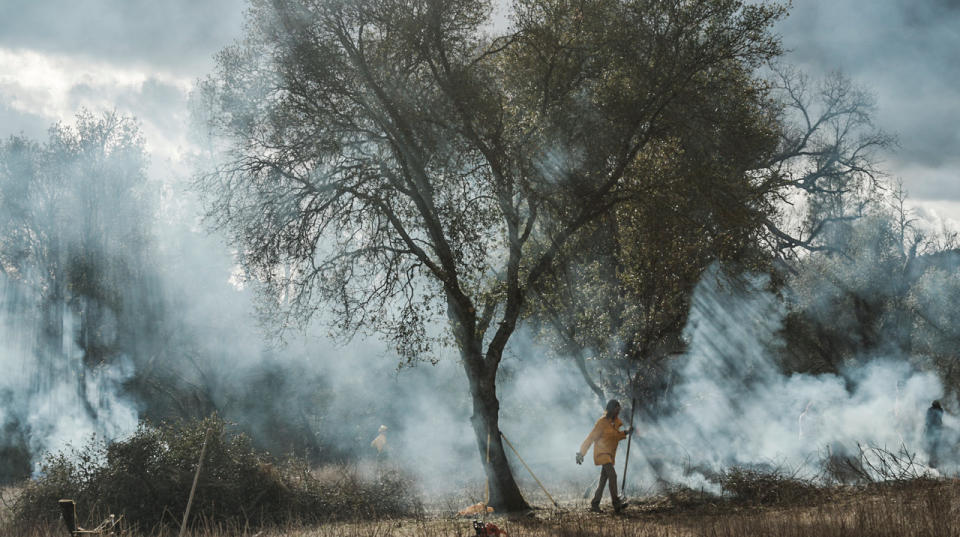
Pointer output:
x,y
680,498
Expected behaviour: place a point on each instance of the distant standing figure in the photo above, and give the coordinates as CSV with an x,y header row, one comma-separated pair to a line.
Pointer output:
x,y
604,438
933,431
380,442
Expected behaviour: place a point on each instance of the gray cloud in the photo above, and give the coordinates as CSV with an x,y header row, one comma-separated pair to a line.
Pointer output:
x,y
162,108
159,106
14,122
905,51
175,35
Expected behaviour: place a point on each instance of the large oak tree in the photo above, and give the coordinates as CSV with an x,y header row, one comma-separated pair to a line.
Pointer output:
x,y
392,161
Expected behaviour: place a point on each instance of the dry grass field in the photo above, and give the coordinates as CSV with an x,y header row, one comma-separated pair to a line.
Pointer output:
x,y
923,508
242,495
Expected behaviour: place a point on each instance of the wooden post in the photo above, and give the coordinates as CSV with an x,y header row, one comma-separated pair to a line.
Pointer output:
x,y
193,488
69,511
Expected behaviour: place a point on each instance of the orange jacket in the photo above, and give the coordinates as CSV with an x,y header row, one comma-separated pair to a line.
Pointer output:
x,y
604,437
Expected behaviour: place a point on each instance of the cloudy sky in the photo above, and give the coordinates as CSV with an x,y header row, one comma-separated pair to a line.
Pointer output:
x,y
907,52
142,56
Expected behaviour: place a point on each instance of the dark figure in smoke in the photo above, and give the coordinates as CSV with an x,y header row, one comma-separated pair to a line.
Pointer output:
x,y
933,432
604,437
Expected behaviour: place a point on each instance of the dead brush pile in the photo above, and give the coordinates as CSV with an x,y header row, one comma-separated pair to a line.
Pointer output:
x,y
767,486
147,478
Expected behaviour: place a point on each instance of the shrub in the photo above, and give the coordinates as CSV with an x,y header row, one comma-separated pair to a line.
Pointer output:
x,y
147,478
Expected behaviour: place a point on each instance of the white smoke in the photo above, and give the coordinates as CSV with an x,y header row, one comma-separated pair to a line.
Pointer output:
x,y
731,405
56,399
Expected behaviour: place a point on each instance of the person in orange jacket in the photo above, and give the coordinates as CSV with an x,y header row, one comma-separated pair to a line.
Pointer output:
x,y
604,438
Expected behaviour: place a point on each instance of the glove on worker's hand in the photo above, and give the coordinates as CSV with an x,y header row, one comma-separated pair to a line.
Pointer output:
x,y
579,458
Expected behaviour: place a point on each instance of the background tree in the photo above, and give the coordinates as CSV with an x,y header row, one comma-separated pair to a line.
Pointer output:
x,y
75,214
389,161
109,307
884,285
826,169
850,247
75,225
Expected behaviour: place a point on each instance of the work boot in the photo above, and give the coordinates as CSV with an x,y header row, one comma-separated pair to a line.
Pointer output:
x,y
620,504
595,507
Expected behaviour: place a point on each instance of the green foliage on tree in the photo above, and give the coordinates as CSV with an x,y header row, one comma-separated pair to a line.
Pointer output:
x,y
695,200
756,175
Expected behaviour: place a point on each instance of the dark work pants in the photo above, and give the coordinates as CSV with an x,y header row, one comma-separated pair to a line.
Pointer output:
x,y
607,473
933,448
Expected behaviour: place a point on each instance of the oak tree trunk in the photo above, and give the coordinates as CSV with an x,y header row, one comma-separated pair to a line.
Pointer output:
x,y
504,493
